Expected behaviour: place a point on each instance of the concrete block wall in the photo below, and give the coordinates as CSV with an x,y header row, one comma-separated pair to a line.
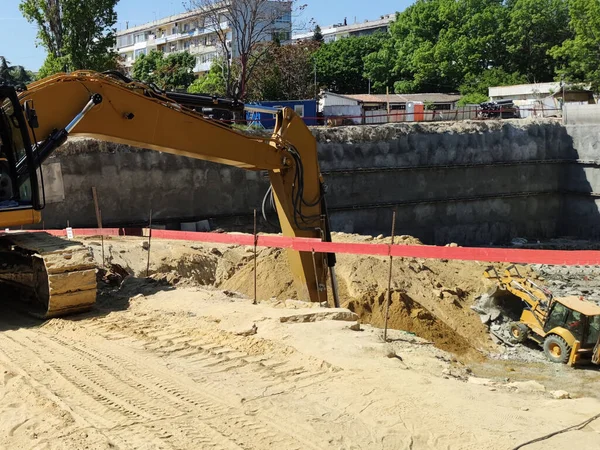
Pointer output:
x,y
473,183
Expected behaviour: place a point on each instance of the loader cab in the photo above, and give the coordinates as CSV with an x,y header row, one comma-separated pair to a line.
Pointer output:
x,y
578,323
19,193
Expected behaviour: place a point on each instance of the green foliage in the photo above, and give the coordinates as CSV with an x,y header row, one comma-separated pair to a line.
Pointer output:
x,y
76,34
578,56
440,42
173,72
451,45
472,99
13,75
535,27
145,66
211,83
476,86
379,67
341,64
53,65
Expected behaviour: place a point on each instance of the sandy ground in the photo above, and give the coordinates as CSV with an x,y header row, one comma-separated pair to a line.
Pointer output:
x,y
157,366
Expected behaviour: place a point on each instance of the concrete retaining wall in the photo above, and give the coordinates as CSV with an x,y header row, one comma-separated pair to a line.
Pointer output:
x,y
473,183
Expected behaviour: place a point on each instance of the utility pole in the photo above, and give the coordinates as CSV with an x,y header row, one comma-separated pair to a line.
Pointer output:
x,y
316,88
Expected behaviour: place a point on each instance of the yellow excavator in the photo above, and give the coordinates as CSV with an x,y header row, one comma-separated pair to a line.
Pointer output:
x,y
55,276
567,328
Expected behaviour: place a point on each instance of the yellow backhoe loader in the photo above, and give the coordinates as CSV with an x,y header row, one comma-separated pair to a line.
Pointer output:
x,y
55,276
567,328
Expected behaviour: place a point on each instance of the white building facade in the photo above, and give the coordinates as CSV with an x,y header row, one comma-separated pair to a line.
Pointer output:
x,y
196,33
343,30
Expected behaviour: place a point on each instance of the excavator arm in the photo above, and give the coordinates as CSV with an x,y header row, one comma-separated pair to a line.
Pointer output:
x,y
104,107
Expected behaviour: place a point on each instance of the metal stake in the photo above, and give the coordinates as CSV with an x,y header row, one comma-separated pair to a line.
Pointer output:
x,y
389,297
102,238
255,261
97,207
316,276
149,243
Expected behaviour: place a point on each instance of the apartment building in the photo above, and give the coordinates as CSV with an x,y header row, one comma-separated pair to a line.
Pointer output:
x,y
344,29
196,32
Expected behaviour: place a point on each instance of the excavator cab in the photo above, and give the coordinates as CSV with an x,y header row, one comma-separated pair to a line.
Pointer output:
x,y
20,200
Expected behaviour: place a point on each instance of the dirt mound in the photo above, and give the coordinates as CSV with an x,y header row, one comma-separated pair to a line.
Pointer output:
x,y
431,298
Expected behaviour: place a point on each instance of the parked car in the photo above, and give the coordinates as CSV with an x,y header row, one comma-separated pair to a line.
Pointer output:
x,y
501,109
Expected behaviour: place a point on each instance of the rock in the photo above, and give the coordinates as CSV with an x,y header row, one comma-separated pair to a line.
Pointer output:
x,y
380,237
524,408
452,244
437,293
145,245
485,318
495,314
343,315
479,381
560,395
527,386
252,331
356,327
299,304
137,297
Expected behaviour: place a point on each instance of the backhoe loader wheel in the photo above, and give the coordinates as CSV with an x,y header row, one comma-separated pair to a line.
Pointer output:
x,y
556,349
519,332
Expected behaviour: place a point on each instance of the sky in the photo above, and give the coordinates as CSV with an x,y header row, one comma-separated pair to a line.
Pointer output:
x,y
18,37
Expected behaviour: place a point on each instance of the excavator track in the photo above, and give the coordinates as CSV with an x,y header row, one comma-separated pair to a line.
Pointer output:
x,y
49,275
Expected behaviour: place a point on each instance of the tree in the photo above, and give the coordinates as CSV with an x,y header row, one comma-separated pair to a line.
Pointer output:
x,y
475,87
13,75
176,71
240,28
287,73
379,67
173,72
76,34
535,27
318,35
341,64
439,42
578,56
5,72
145,67
211,83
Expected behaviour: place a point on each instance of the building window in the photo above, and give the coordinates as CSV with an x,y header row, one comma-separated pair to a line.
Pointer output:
x,y
125,41
140,37
285,18
280,35
139,52
186,45
299,110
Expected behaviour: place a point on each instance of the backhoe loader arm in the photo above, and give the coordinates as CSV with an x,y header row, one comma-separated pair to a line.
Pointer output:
x,y
110,109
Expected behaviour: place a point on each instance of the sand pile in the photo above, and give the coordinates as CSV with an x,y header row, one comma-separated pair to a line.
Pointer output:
x,y
430,298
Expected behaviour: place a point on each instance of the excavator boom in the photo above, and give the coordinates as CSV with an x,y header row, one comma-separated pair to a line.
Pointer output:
x,y
115,109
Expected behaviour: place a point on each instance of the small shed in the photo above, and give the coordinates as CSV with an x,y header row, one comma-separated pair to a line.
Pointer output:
x,y
307,109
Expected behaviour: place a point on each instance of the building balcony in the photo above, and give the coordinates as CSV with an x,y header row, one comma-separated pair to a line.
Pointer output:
x,y
202,67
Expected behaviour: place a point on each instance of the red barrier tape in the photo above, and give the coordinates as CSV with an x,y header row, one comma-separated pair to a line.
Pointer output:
x,y
551,257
